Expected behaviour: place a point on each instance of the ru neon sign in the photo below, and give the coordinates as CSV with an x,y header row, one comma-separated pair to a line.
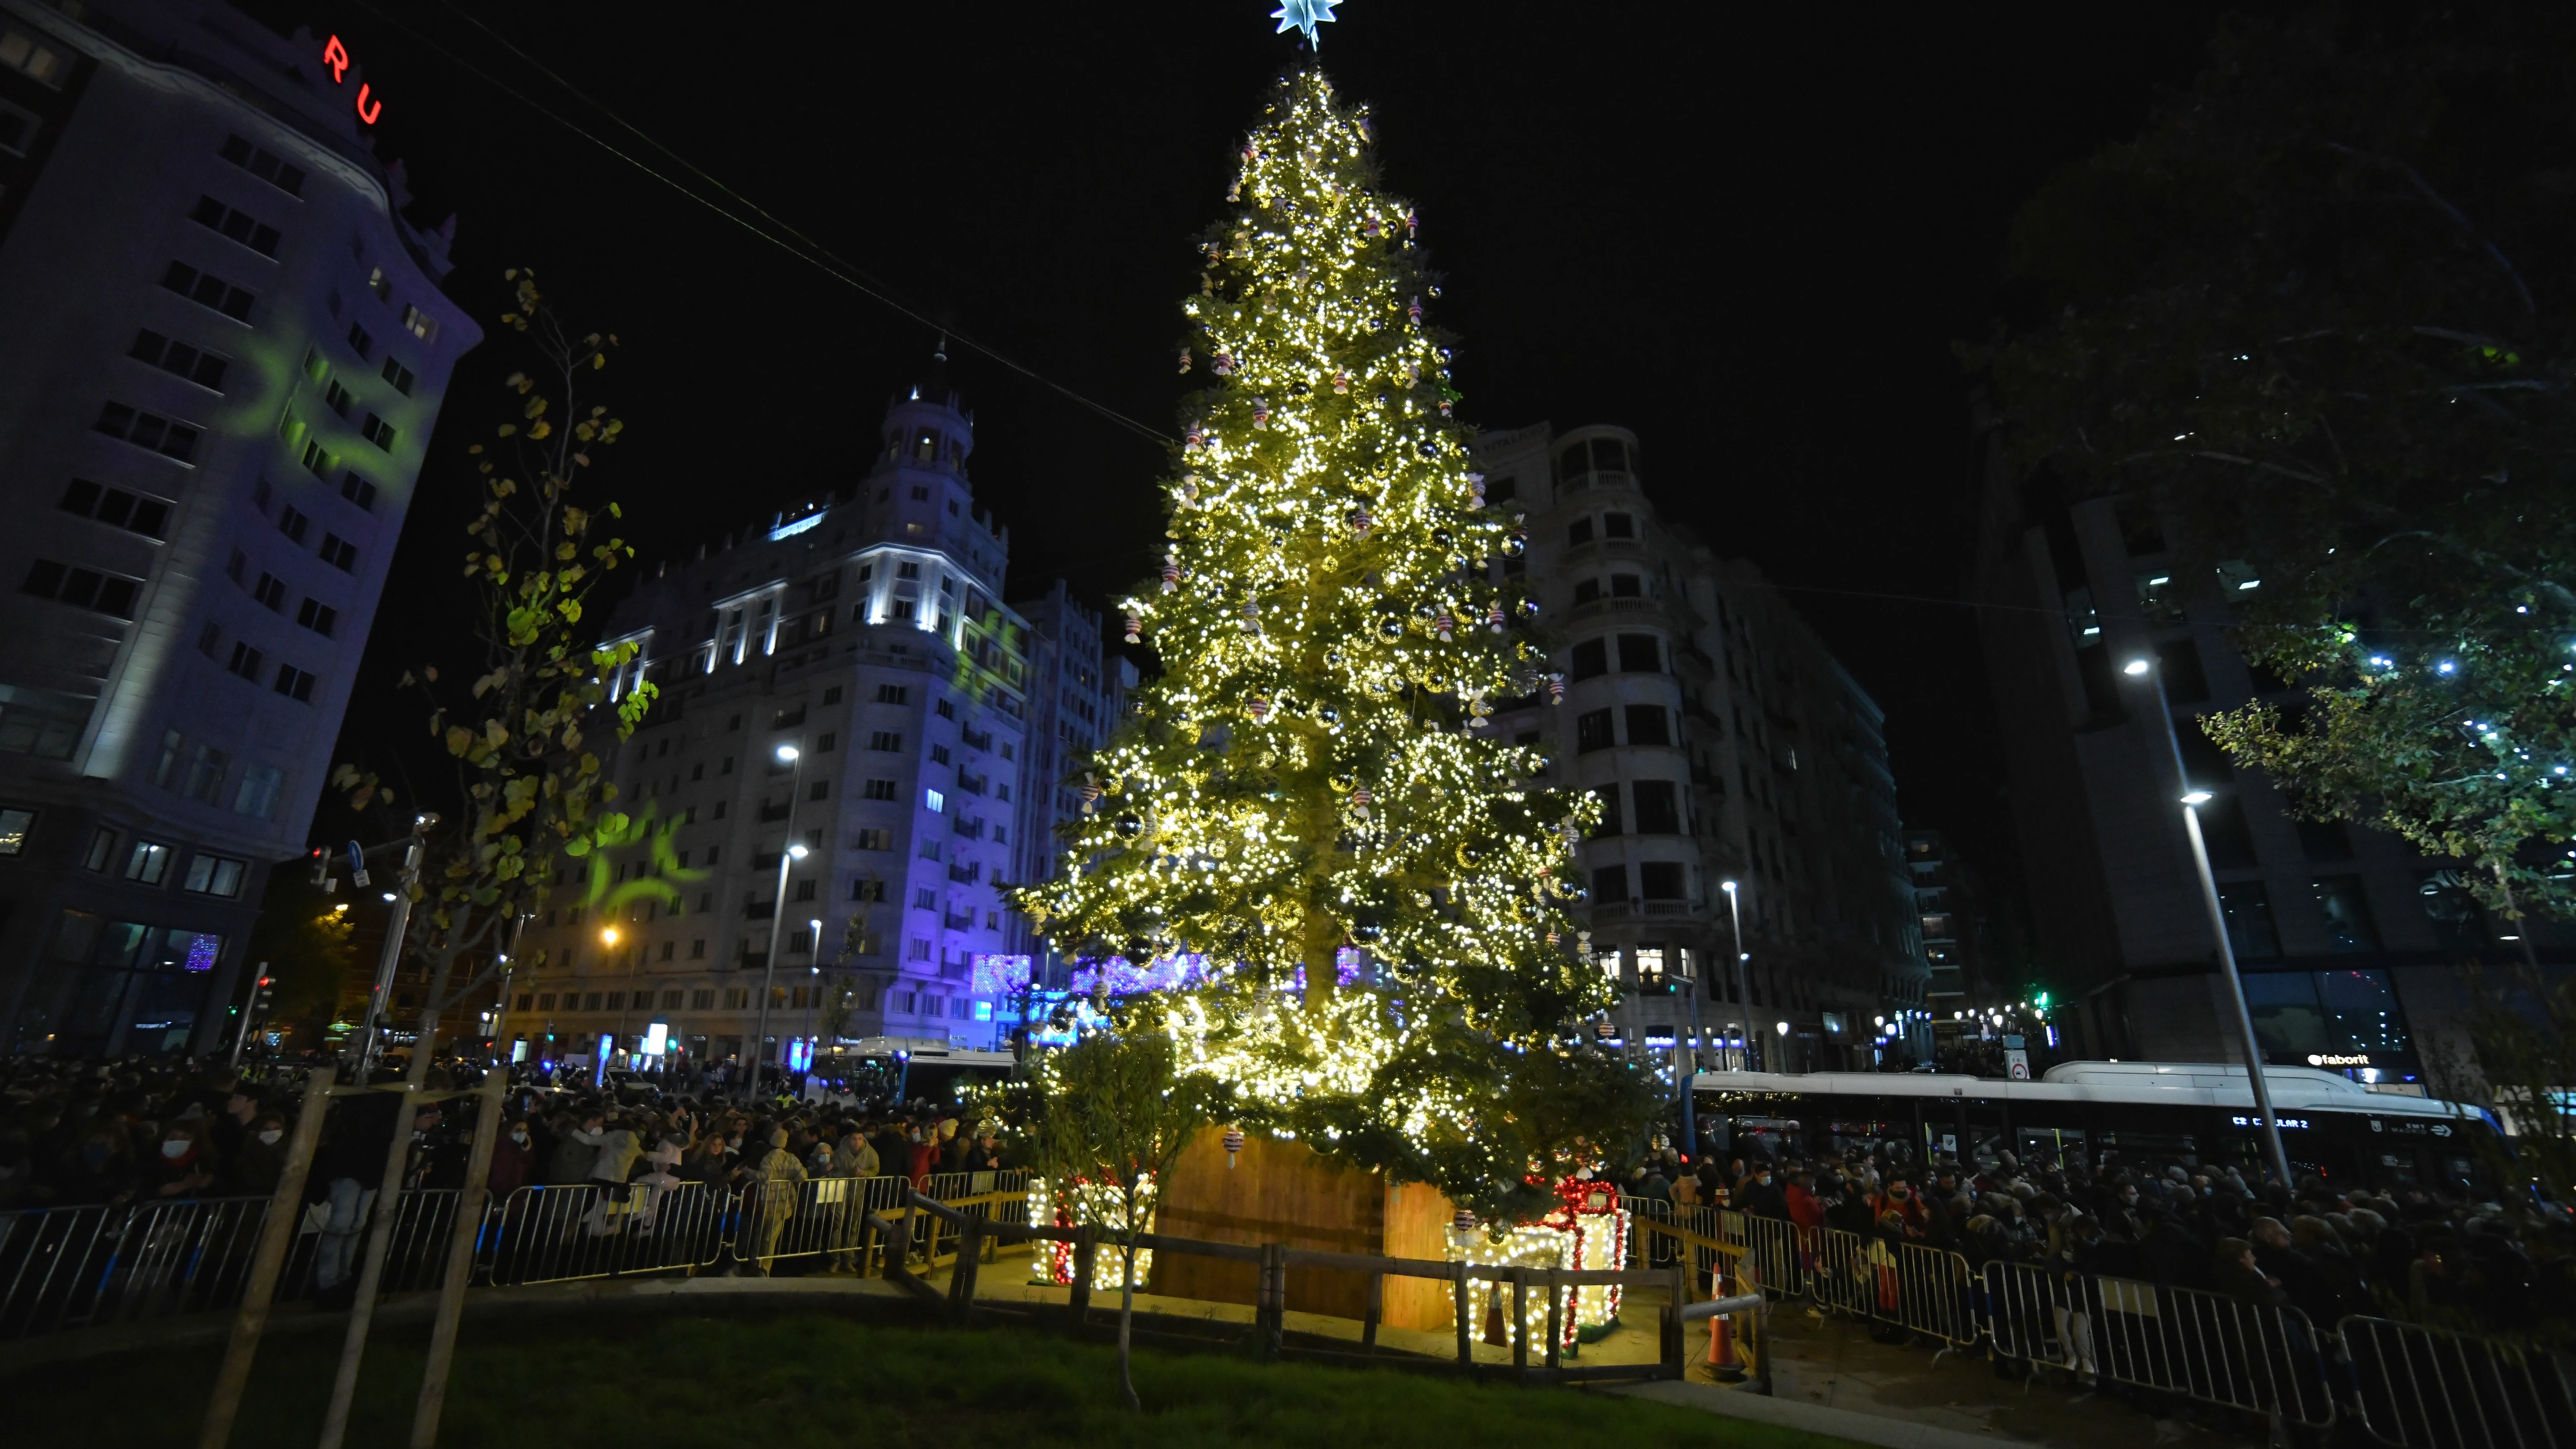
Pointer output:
x,y
336,57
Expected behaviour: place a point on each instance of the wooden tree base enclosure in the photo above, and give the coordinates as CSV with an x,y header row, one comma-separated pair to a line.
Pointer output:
x,y
1284,1192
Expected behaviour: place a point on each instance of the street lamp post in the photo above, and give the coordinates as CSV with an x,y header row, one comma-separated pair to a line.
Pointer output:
x,y
813,996
2192,800
1690,1067
1743,974
789,850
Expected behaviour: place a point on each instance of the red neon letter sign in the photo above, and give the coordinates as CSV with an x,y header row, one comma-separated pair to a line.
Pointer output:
x,y
336,56
368,110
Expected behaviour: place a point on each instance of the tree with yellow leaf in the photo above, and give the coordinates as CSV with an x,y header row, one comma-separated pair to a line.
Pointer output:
x,y
537,806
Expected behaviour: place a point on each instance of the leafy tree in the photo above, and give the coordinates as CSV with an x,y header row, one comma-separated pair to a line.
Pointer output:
x,y
536,807
1115,1113
1312,771
2320,311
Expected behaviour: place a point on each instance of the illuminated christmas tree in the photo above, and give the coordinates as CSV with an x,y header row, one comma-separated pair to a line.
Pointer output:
x,y
1309,807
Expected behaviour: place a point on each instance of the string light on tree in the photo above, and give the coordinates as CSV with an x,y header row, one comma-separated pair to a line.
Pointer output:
x,y
1302,778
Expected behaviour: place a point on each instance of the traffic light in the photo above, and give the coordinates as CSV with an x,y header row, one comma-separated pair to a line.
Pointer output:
x,y
259,997
322,878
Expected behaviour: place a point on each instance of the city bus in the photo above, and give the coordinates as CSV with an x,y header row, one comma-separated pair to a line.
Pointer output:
x,y
2142,1113
889,1069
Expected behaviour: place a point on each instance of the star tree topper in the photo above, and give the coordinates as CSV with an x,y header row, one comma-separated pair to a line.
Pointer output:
x,y
1303,15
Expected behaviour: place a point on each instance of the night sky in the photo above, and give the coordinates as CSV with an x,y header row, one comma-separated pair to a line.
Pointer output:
x,y
1752,235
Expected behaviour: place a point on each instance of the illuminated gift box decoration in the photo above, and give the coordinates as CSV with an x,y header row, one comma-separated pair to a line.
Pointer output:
x,y
1087,1202
1586,1229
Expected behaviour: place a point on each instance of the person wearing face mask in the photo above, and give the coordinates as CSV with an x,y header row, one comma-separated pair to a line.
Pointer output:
x,y
514,1159
183,1165
252,1168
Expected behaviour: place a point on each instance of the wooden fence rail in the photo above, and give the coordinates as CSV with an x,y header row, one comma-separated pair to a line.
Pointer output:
x,y
1273,1260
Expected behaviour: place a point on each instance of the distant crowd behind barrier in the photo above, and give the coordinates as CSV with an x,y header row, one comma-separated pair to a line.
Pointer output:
x,y
2434,1322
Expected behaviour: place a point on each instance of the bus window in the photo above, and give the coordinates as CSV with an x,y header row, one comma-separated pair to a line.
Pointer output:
x,y
2049,1147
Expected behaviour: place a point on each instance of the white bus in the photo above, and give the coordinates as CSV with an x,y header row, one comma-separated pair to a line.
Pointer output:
x,y
2192,1113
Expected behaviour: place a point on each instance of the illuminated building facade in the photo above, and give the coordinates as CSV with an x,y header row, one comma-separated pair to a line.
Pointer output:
x,y
865,632
1724,743
222,349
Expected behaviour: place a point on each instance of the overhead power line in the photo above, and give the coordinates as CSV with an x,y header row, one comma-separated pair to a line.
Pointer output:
x,y
768,227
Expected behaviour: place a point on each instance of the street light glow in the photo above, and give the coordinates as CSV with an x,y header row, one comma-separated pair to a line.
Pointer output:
x,y
787,754
796,852
608,935
1727,886
2134,666
2196,797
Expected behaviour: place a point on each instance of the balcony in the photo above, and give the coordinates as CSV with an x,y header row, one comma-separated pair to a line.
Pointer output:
x,y
1627,608
772,814
965,922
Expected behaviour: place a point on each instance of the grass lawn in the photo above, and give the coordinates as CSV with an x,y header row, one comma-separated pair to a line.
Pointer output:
x,y
800,1380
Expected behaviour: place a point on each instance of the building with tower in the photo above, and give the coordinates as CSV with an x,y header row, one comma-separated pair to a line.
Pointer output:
x,y
1725,744
849,711
222,349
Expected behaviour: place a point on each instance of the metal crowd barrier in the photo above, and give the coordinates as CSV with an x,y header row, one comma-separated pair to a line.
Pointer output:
x,y
822,1217
601,1230
2206,1346
2431,1388
81,1267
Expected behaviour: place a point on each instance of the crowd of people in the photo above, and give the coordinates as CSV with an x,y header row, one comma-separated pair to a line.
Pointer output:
x,y
77,1133
2328,1250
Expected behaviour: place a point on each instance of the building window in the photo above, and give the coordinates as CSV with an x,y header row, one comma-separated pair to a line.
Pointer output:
x,y
1640,654
206,771
83,588
1591,658
894,693
2250,933
1649,724
339,553
358,490
1659,810
1660,880
147,431
148,862
294,524
295,684
936,802
400,376
419,323
1618,525
259,162
245,660
2459,923
214,875
886,741
205,369
545,1001
2347,912
102,849
317,616
21,53
338,398
270,591
14,825
235,225
377,431
260,787
140,513
874,840
1610,885
208,290
1592,731
359,341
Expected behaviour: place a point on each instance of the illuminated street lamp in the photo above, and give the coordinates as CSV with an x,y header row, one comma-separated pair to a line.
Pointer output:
x,y
1743,977
2192,799
794,759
